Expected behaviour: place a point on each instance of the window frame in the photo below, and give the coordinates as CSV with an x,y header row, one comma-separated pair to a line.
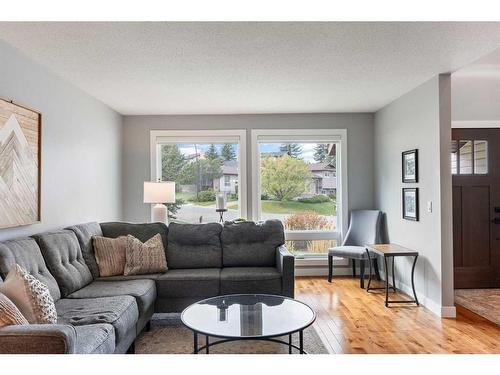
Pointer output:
x,y
159,137
296,136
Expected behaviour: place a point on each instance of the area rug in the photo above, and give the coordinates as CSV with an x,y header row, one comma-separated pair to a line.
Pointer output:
x,y
484,302
169,336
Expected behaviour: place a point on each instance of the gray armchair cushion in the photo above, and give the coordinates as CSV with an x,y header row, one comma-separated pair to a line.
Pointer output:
x,y
197,282
64,260
141,231
251,244
84,234
194,246
144,292
38,339
355,252
95,339
121,312
26,253
236,280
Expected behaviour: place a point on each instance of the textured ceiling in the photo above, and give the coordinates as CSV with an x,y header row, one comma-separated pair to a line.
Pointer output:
x,y
195,68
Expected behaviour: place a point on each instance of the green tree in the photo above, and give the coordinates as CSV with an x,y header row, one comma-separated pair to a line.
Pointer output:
x,y
321,154
212,153
172,164
228,152
202,172
291,149
284,178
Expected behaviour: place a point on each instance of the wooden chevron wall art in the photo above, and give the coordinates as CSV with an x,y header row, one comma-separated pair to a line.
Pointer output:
x,y
20,156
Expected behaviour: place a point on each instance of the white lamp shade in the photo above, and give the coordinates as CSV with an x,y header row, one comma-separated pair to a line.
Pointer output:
x,y
159,192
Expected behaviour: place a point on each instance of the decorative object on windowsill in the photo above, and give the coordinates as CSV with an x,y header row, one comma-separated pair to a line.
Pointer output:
x,y
410,204
410,166
220,205
159,193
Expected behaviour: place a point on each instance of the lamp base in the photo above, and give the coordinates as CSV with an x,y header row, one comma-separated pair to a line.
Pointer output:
x,y
160,213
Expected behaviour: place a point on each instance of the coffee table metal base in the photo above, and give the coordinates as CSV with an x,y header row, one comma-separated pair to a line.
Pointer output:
x,y
208,344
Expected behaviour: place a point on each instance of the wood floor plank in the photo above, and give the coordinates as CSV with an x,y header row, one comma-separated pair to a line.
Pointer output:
x,y
350,320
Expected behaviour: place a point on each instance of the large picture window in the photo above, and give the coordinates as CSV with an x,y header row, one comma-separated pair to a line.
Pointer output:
x,y
202,165
297,178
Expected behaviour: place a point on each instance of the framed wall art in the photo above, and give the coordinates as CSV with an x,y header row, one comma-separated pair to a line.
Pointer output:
x,y
20,156
410,166
410,204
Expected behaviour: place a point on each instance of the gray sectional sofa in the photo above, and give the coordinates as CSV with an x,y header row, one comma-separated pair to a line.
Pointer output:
x,y
105,315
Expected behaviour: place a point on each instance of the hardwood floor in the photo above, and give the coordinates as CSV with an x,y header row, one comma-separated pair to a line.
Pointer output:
x,y
350,320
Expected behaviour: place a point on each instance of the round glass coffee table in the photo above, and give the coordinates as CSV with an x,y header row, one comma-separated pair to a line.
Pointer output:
x,y
248,317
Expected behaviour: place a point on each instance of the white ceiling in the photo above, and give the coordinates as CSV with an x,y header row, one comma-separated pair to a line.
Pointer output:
x,y
195,68
476,91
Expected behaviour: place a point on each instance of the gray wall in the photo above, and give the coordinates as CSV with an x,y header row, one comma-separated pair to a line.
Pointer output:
x,y
419,119
81,146
136,157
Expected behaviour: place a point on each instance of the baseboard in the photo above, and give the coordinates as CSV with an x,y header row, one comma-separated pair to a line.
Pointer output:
x,y
322,271
448,312
435,308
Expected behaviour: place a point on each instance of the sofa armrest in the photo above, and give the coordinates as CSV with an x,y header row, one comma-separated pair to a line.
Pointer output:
x,y
37,339
285,263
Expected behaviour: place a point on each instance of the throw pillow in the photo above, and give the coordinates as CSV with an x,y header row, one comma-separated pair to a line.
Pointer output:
x,y
30,296
144,258
9,313
110,255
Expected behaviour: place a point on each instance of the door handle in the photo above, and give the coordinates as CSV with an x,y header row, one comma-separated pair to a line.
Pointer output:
x,y
496,220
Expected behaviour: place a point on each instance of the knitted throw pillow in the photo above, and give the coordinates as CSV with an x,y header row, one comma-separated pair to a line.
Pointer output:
x,y
110,255
30,296
9,313
144,258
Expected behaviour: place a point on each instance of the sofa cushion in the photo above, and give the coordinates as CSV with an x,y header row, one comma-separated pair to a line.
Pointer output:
x,y
95,339
194,246
119,311
252,280
197,282
84,234
250,244
144,291
141,231
64,260
26,253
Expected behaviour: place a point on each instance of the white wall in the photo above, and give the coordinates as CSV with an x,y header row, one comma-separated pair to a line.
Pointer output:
x,y
136,156
419,119
81,146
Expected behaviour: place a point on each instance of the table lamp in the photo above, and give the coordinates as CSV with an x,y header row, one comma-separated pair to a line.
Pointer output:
x,y
159,193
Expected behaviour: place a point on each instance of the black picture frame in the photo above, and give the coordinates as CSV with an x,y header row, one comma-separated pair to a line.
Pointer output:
x,y
407,214
406,157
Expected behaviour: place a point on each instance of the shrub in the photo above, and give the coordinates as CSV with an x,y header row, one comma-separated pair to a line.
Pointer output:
x,y
307,220
206,196
320,198
264,197
333,195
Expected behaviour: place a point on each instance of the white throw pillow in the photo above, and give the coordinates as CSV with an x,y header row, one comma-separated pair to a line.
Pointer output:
x,y
30,296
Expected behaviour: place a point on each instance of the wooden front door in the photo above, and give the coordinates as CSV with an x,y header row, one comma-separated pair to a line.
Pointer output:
x,y
476,207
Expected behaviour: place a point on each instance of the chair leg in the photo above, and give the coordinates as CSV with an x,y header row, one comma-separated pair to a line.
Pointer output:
x,y
330,268
353,268
375,264
148,326
362,274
